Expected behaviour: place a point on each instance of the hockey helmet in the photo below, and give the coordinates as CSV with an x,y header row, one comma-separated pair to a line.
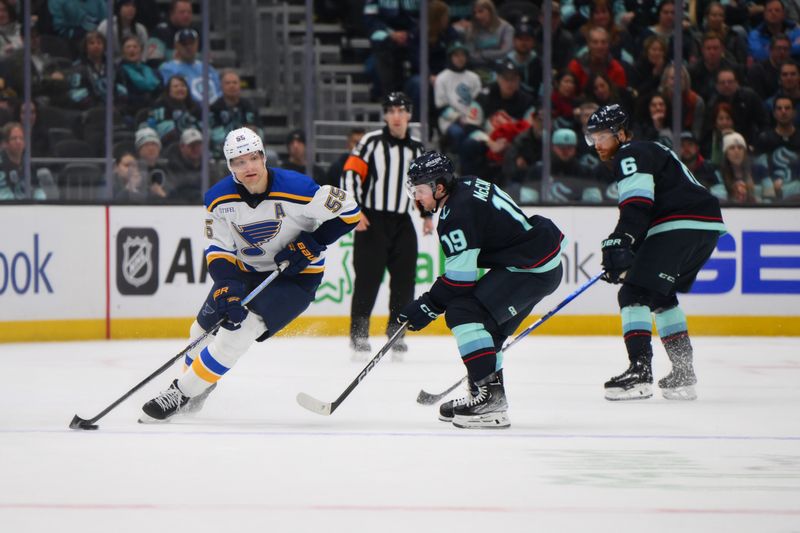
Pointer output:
x,y
431,168
240,142
396,99
608,118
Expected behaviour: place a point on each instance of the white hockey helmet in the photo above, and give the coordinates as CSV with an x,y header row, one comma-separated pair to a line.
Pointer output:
x,y
240,142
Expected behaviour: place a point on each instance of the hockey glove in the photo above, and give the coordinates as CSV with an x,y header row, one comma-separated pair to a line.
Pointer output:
x,y
299,253
617,256
419,313
228,295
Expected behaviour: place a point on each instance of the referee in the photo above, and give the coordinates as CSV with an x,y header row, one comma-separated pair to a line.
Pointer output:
x,y
385,237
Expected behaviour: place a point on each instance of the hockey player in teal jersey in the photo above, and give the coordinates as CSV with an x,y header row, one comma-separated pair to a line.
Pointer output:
x,y
257,218
668,227
480,226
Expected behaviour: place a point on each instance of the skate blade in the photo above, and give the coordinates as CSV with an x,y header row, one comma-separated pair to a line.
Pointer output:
x,y
498,420
686,393
147,419
445,419
637,392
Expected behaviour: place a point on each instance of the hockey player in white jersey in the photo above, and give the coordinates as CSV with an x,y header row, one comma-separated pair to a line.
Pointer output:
x,y
256,218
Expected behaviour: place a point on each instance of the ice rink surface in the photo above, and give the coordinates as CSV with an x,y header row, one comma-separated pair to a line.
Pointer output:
x,y
253,460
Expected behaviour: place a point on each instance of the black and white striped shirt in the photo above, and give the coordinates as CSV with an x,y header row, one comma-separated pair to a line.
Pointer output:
x,y
375,172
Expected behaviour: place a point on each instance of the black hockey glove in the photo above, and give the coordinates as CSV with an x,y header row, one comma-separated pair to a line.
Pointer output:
x,y
299,253
617,256
228,296
419,313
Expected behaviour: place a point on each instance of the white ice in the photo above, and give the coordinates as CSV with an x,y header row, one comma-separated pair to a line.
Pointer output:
x,y
253,460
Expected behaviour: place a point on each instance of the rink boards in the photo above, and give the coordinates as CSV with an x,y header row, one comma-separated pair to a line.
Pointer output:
x,y
94,272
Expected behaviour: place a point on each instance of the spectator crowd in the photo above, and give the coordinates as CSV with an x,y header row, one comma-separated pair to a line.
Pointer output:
x,y
739,73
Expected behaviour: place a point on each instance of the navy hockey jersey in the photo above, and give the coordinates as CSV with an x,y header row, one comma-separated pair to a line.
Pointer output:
x,y
480,226
658,193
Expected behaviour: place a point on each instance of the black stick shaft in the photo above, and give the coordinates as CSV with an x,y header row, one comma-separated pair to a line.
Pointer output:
x,y
191,346
369,367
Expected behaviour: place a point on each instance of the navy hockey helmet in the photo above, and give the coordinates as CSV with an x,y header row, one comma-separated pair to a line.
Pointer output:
x,y
431,168
608,118
396,99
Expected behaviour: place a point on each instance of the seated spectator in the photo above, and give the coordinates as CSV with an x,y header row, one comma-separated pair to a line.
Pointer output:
x,y
763,76
598,59
440,37
788,86
621,44
173,112
162,45
526,60
735,42
129,185
10,32
184,167
142,84
779,149
568,182
706,173
48,73
601,90
704,71
664,26
745,182
775,22
500,113
563,42
40,143
87,80
646,74
185,63
565,100
453,93
148,151
230,111
655,124
720,123
296,148
333,176
13,185
525,151
125,25
488,37
693,105
388,26
73,20
749,114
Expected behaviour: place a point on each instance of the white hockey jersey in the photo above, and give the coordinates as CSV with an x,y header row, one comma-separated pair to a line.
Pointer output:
x,y
248,230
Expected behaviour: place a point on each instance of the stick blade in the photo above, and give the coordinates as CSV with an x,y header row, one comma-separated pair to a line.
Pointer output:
x,y
80,423
313,405
426,398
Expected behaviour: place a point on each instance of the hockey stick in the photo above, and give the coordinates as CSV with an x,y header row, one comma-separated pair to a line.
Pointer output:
x,y
427,398
81,423
322,408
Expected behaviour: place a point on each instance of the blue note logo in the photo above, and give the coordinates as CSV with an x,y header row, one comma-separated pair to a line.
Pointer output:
x,y
256,234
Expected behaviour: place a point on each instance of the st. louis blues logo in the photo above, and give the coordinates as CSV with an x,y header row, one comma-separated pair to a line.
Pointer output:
x,y
257,234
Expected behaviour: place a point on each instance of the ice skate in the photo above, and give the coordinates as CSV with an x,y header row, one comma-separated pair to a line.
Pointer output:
x,y
446,408
195,403
359,350
679,383
165,405
636,383
486,410
399,349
